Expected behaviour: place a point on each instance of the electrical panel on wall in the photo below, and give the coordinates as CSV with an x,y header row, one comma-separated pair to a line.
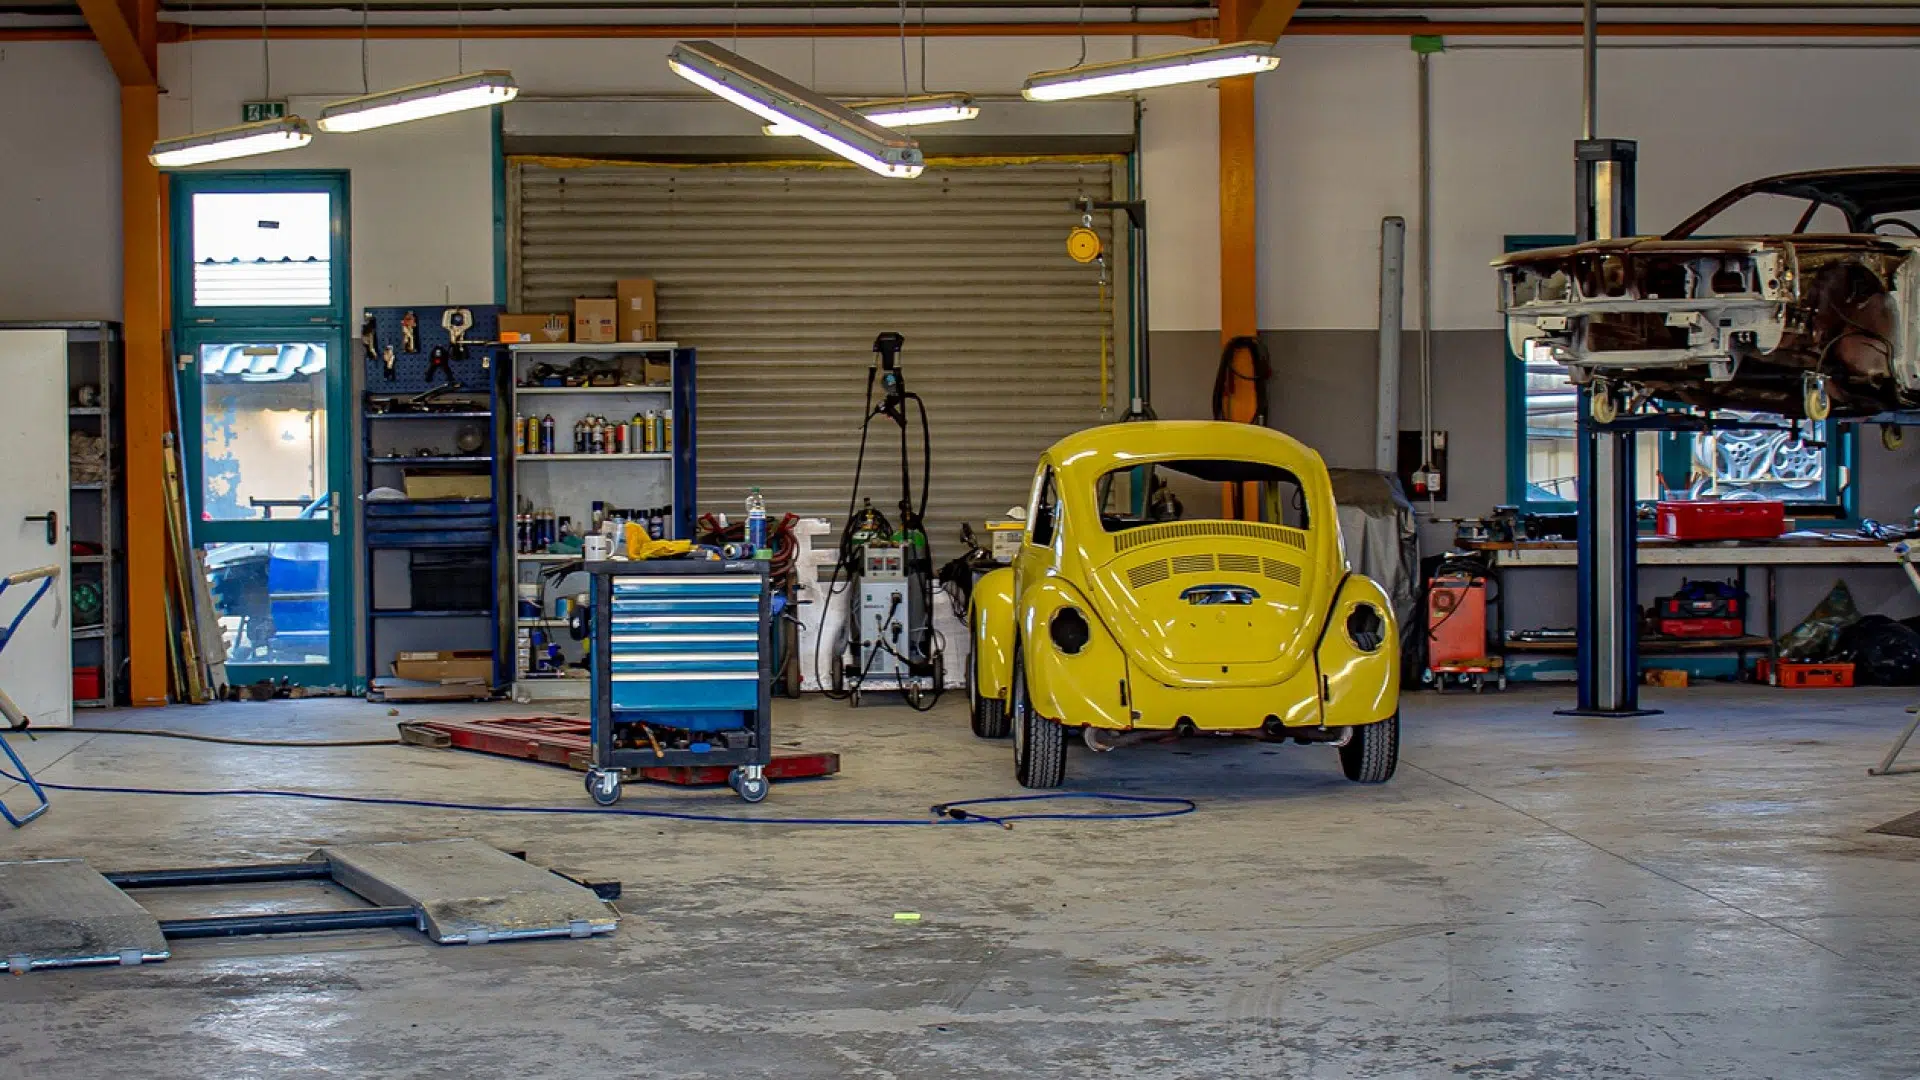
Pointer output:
x,y
1423,474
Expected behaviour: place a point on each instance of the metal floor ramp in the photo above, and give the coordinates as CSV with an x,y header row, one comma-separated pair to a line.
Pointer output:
x,y
63,913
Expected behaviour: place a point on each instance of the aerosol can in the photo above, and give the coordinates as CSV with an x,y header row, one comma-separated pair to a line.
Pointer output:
x,y
757,525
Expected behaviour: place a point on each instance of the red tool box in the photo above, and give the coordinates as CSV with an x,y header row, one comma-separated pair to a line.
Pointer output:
x,y
1761,519
1702,609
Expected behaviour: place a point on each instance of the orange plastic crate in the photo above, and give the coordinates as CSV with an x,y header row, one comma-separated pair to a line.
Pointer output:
x,y
1807,676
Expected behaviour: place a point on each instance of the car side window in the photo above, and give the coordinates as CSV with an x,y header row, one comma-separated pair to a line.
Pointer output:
x,y
1041,516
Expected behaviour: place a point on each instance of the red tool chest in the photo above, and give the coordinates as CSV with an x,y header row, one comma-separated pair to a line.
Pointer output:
x,y
1762,519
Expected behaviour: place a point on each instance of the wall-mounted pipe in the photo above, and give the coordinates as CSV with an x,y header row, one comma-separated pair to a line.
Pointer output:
x,y
1193,28
1393,273
1426,266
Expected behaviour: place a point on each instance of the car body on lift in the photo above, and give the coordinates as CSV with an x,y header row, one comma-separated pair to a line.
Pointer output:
x,y
1820,320
1126,618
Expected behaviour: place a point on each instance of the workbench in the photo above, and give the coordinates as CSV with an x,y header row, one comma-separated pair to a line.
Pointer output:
x,y
1739,556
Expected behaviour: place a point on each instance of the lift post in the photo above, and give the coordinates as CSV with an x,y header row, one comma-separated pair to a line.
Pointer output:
x,y
1609,677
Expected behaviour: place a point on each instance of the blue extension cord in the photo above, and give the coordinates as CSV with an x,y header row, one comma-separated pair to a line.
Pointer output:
x,y
952,813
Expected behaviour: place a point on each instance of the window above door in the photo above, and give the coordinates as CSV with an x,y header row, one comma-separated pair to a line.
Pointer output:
x,y
260,249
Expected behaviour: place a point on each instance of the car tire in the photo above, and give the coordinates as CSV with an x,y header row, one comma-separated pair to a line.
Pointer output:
x,y
1373,752
1039,744
989,714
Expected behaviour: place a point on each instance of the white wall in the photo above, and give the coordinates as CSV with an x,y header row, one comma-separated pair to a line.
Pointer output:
x,y
1338,150
59,182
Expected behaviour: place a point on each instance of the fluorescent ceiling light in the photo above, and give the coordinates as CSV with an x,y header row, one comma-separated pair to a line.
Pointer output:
x,y
779,100
903,112
244,140
436,98
1165,69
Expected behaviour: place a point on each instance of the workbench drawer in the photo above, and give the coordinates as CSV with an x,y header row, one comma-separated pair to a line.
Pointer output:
x,y
644,691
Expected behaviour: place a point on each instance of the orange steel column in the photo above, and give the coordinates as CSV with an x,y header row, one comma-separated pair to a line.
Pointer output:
x,y
148,372
1239,298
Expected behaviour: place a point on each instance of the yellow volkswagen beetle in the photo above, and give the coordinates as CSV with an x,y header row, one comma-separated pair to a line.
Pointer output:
x,y
1137,609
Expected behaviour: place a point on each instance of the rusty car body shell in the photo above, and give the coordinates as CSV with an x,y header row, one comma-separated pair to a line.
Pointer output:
x,y
1740,322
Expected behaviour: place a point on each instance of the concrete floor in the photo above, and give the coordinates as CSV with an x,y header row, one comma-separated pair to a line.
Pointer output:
x,y
1692,894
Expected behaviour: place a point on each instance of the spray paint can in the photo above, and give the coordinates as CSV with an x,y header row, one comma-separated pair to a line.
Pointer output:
x,y
546,434
666,432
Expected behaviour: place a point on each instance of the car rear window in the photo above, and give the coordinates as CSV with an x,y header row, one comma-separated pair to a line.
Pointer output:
x,y
1191,490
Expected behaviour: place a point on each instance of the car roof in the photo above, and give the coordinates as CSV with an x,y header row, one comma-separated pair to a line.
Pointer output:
x,y
1861,192
1116,446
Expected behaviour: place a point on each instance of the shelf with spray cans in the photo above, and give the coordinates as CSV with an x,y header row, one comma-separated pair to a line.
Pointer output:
x,y
602,435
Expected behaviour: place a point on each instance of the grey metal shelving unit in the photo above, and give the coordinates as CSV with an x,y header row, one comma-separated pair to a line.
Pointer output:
x,y
95,509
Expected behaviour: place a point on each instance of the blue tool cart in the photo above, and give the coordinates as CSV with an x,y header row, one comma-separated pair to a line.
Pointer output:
x,y
431,430
682,671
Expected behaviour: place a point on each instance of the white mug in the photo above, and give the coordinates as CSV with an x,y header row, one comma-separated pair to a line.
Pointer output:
x,y
597,548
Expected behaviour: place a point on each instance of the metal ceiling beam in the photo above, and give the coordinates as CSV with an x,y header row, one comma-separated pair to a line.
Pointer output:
x,y
118,41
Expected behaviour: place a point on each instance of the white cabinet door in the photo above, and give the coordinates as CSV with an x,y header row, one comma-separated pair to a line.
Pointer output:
x,y
36,665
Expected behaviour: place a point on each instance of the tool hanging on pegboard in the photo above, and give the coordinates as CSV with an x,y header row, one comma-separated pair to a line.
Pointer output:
x,y
446,346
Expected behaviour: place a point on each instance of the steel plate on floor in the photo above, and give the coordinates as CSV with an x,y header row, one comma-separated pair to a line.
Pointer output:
x,y
62,913
469,893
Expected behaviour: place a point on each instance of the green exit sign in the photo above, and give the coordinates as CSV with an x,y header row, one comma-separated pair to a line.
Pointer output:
x,y
252,112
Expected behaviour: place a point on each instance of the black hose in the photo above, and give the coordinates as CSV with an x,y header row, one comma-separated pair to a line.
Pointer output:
x,y
1224,378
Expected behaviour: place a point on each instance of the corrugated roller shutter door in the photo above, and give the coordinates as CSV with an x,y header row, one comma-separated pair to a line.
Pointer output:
x,y
782,277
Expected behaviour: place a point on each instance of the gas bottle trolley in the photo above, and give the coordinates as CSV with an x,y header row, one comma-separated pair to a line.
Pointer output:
x,y
682,671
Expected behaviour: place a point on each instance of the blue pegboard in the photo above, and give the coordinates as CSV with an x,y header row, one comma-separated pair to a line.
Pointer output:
x,y
476,373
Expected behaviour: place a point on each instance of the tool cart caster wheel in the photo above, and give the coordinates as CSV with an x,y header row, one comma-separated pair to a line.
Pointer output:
x,y
603,785
750,788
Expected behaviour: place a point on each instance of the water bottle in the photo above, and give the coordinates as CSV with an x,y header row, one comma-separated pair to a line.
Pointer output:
x,y
757,525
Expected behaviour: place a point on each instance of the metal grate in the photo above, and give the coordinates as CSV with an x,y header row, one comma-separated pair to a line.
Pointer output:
x,y
1147,573
1281,571
1186,530
1193,564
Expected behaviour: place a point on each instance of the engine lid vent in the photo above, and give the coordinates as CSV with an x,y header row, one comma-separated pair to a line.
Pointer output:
x,y
1147,573
1281,571
1193,564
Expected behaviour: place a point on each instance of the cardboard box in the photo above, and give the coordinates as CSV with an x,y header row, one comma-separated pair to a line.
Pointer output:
x,y
659,370
464,486
639,317
445,666
595,321
1667,677
535,329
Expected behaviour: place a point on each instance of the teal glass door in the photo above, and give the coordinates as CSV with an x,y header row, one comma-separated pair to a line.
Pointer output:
x,y
266,468
261,296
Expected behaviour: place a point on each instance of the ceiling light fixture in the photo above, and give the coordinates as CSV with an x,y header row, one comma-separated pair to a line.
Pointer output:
x,y
903,112
776,99
479,90
1164,69
243,140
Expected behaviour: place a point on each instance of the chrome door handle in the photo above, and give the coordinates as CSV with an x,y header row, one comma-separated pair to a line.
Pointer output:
x,y
52,518
333,510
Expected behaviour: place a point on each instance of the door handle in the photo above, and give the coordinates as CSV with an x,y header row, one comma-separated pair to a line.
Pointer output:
x,y
333,510
52,518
